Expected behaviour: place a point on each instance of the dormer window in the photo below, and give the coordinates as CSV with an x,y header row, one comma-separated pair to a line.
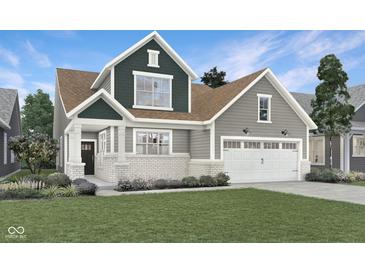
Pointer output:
x,y
153,58
263,108
152,90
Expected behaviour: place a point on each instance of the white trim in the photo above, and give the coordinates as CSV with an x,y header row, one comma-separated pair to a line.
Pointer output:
x,y
101,143
307,147
212,141
323,138
189,94
150,53
264,95
152,130
12,157
259,96
150,74
2,123
153,108
112,86
59,95
356,136
5,148
252,138
112,139
341,153
362,104
153,35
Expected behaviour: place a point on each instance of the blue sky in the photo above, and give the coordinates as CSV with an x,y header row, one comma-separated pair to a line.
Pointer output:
x,y
28,58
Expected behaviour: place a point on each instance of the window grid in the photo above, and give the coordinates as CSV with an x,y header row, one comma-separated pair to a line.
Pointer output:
x,y
358,145
271,145
152,143
289,146
153,91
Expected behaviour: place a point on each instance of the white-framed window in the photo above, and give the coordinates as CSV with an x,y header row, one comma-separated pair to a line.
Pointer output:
x,y
153,142
102,141
153,58
358,146
289,146
317,150
252,145
232,144
5,148
12,157
264,108
271,145
152,90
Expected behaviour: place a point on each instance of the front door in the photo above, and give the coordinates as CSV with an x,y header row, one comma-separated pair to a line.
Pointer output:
x,y
87,156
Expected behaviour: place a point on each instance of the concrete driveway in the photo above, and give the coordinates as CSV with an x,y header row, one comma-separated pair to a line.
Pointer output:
x,y
337,192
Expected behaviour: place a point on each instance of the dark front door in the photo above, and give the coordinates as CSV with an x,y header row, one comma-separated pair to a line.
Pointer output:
x,y
87,156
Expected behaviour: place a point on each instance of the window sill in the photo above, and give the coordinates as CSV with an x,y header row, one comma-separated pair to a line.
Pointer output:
x,y
264,122
358,156
153,108
317,164
153,66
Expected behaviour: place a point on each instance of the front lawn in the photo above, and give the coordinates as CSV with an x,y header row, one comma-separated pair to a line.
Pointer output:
x,y
244,215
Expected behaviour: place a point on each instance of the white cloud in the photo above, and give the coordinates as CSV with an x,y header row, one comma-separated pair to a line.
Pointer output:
x,y
39,57
299,77
9,57
11,79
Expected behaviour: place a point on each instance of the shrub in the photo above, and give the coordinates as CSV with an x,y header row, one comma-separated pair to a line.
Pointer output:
x,y
166,184
51,192
84,187
58,179
353,177
190,181
20,193
326,175
37,181
206,181
222,179
69,191
135,185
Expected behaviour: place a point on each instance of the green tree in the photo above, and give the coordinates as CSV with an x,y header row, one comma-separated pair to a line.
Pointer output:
x,y
37,113
213,78
35,149
332,111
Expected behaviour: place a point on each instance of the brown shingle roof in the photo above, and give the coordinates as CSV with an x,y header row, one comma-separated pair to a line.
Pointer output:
x,y
206,102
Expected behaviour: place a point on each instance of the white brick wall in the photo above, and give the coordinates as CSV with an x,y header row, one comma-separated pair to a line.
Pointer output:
x,y
205,167
75,170
104,167
305,167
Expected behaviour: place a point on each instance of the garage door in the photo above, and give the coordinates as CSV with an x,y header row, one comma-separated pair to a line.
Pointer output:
x,y
260,161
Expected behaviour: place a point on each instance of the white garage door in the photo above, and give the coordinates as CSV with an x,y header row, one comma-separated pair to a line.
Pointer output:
x,y
260,161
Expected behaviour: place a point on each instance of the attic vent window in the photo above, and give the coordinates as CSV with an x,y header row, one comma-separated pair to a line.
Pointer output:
x,y
153,58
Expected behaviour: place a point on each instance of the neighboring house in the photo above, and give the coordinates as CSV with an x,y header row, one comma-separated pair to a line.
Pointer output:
x,y
9,127
348,150
142,117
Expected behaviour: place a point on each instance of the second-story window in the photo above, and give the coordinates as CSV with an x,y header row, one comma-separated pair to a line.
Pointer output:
x,y
264,108
153,91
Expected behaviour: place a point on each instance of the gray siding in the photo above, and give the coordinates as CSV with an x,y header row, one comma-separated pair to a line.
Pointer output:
x,y
106,84
180,140
356,163
60,122
200,144
108,139
243,113
115,139
124,79
14,131
89,135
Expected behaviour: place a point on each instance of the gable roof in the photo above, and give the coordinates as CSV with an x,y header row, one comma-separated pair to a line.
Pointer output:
x,y
357,98
153,35
7,102
207,103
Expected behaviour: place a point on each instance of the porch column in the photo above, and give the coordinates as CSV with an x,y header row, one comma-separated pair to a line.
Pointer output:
x,y
75,144
347,153
121,144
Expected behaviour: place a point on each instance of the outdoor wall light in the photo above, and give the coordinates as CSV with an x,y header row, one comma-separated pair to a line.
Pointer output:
x,y
284,132
245,130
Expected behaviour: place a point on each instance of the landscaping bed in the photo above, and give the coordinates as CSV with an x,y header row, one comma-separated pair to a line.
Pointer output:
x,y
328,175
221,179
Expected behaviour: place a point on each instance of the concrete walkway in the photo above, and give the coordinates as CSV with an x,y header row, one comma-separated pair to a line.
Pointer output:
x,y
336,192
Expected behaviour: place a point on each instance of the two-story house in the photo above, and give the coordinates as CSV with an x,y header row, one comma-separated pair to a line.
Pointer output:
x,y
143,117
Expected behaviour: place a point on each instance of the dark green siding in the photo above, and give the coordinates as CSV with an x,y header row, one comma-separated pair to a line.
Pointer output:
x,y
100,110
124,79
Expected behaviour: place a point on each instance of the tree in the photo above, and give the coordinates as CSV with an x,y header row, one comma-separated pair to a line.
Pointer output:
x,y
35,149
331,110
213,78
37,113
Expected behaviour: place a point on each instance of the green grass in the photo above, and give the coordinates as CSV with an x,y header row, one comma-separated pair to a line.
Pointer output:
x,y
25,172
244,215
359,183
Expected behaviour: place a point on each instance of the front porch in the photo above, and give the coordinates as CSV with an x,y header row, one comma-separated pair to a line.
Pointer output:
x,y
88,153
